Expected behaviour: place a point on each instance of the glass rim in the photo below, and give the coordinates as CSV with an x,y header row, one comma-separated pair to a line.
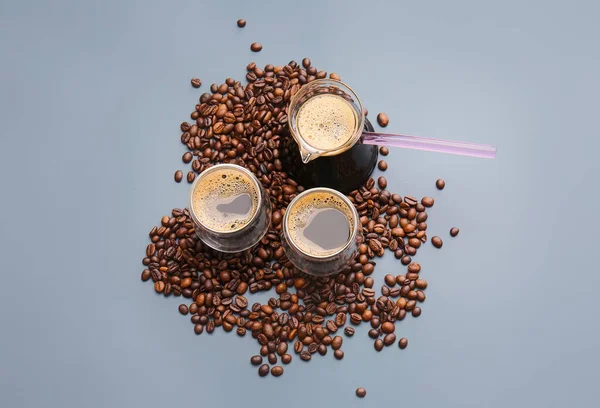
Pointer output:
x,y
215,168
345,87
331,191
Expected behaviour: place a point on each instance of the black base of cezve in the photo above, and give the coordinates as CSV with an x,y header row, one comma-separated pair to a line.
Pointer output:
x,y
344,172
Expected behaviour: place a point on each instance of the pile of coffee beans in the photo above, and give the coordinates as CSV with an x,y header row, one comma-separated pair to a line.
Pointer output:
x,y
246,124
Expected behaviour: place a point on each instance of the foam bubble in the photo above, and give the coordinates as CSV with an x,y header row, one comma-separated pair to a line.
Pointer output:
x,y
218,187
326,121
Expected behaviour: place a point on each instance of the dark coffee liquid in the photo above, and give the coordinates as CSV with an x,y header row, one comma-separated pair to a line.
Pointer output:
x,y
344,172
238,205
328,229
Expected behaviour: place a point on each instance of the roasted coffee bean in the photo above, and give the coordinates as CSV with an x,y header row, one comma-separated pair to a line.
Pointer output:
x,y
361,392
196,82
421,283
146,275
454,231
256,47
191,176
187,157
338,354
437,241
389,339
382,182
272,358
382,119
416,312
388,327
263,370
427,201
373,333
378,345
406,260
178,176
282,348
349,331
403,342
159,286
390,280
305,355
440,184
276,371
241,23
183,309
286,358
384,150
256,360
337,342
414,267
198,329
382,165
298,346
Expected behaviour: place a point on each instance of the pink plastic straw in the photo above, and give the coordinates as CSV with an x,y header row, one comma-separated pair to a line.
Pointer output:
x,y
429,144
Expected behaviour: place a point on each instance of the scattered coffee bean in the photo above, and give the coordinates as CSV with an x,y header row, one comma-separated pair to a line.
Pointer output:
x,y
276,371
440,184
437,242
382,182
256,47
338,354
403,342
263,370
390,280
427,201
454,231
191,176
382,165
178,176
196,82
159,286
183,309
187,157
388,327
241,23
256,360
389,339
384,151
334,76
286,358
416,312
349,331
378,344
383,119
272,358
361,392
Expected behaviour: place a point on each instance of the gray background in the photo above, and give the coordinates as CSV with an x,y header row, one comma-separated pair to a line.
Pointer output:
x,y
91,97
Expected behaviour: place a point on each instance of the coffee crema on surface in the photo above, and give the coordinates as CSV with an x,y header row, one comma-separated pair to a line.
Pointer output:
x,y
225,200
320,224
326,122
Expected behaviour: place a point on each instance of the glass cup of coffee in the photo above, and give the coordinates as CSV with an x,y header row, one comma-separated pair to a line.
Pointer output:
x,y
320,231
230,208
